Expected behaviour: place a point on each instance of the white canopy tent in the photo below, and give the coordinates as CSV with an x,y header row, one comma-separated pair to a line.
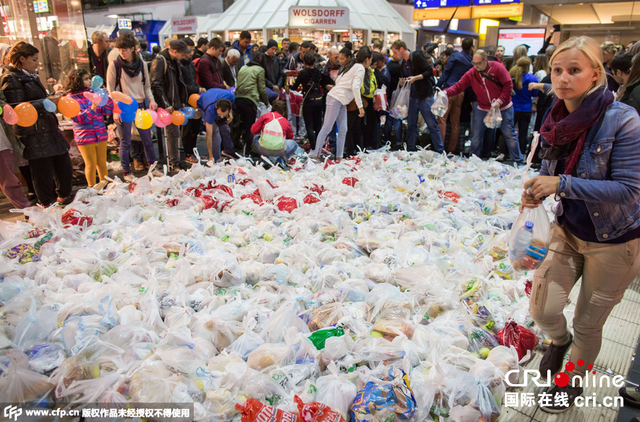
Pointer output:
x,y
263,15
203,21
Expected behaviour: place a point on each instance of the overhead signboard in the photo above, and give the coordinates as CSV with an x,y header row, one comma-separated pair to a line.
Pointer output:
x,y
423,4
512,37
184,25
40,6
124,24
320,17
497,11
485,2
443,13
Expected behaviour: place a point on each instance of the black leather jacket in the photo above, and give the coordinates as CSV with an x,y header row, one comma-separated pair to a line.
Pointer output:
x,y
43,139
168,85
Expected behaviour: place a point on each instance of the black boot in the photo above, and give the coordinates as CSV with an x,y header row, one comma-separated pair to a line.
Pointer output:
x,y
553,358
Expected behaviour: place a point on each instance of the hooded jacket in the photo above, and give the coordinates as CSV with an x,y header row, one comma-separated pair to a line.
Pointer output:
x,y
167,81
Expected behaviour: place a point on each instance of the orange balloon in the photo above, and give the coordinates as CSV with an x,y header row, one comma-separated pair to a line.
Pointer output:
x,y
119,96
68,107
27,114
177,118
193,100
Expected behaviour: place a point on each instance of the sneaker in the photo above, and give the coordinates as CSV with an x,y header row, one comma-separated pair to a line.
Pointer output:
x,y
192,160
138,165
128,177
63,202
553,358
101,185
561,399
631,396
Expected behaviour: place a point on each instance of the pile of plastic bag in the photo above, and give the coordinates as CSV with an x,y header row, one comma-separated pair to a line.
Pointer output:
x,y
371,289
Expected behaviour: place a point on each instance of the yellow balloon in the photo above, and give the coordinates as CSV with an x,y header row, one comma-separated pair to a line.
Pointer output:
x,y
143,119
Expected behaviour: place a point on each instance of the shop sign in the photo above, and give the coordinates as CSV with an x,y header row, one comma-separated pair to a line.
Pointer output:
x,y
124,24
326,38
497,11
443,13
184,25
322,17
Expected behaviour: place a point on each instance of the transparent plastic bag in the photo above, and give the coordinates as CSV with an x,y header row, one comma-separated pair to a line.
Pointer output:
x,y
248,341
19,384
336,391
493,119
440,104
529,239
400,105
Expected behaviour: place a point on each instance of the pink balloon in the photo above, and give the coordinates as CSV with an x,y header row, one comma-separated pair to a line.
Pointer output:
x,y
164,117
10,115
93,97
153,114
160,124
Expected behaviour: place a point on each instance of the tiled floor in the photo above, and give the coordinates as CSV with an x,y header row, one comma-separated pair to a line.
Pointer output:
x,y
619,344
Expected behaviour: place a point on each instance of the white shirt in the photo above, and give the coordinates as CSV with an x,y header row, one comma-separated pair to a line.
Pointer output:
x,y
348,85
541,74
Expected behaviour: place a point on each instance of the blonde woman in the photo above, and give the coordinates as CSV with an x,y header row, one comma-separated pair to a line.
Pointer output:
x,y
523,100
590,162
541,66
609,52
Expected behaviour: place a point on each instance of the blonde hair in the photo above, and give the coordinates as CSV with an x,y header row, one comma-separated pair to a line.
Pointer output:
x,y
541,63
519,70
518,52
608,47
591,49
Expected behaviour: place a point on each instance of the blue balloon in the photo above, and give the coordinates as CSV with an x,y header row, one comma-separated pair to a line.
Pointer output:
x,y
128,117
96,83
189,112
128,108
104,97
185,121
49,106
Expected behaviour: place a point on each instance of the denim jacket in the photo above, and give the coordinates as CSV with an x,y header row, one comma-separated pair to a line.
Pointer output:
x,y
608,173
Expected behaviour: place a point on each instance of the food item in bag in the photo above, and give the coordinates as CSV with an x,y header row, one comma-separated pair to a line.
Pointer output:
x,y
76,218
529,239
440,104
386,399
316,412
254,411
516,335
493,119
318,338
380,99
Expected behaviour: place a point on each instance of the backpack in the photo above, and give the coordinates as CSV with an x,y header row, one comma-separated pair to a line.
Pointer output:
x,y
272,137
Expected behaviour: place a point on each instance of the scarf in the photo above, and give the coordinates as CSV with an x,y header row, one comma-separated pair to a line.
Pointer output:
x,y
564,133
132,69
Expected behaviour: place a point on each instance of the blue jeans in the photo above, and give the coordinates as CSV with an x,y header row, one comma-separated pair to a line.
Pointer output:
x,y
125,143
272,95
292,146
396,126
220,135
424,107
508,131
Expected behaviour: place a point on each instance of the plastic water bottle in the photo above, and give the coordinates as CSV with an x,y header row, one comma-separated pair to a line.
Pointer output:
x,y
523,240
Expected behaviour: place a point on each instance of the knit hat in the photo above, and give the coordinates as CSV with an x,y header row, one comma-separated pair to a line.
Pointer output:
x,y
272,43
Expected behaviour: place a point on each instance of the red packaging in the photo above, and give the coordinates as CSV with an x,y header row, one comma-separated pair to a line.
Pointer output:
x,y
172,202
208,202
350,181
380,101
451,196
287,204
516,335
271,184
316,412
223,188
317,189
254,411
132,187
329,162
527,287
312,198
32,234
255,198
243,182
76,218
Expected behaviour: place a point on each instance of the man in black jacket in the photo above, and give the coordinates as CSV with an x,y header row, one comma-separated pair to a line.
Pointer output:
x,y
170,92
274,76
192,128
392,70
415,70
228,66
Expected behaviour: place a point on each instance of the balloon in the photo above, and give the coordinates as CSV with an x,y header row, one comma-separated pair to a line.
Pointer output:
x,y
193,100
96,83
116,108
27,114
128,117
143,119
128,108
160,124
104,97
232,89
185,121
10,116
68,107
49,106
119,96
189,113
164,117
93,97
153,114
177,118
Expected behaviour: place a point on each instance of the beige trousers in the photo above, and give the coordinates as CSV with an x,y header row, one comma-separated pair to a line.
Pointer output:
x,y
607,270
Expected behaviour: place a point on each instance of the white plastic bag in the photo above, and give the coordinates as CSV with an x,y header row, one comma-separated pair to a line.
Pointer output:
x,y
336,391
400,103
440,104
493,119
529,239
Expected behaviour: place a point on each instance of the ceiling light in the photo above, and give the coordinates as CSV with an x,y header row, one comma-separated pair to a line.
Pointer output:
x,y
112,16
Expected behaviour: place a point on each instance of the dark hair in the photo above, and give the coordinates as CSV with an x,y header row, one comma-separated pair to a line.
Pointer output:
x,y
21,49
429,50
279,106
622,62
75,80
126,40
215,43
260,59
309,59
156,49
223,105
313,47
263,49
286,39
293,47
305,44
376,57
144,46
398,44
349,45
245,35
448,52
189,42
467,44
363,54
227,43
347,52
202,41
490,50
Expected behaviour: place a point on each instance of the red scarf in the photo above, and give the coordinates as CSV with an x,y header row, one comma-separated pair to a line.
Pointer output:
x,y
564,133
